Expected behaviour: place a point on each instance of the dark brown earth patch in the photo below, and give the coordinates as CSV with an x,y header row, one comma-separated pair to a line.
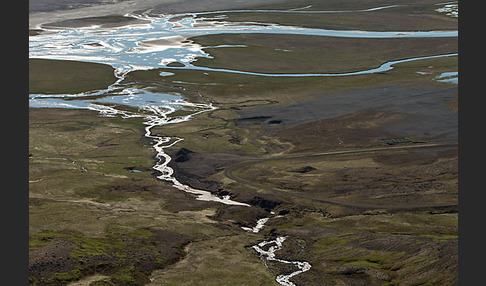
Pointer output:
x,y
193,168
103,22
60,76
57,258
360,118
360,129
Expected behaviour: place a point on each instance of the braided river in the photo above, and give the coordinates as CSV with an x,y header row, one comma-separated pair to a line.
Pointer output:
x,y
155,42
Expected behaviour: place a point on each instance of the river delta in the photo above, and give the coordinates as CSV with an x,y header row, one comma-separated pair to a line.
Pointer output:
x,y
270,144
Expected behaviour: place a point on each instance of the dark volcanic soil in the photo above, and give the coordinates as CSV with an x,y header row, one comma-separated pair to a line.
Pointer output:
x,y
193,168
419,112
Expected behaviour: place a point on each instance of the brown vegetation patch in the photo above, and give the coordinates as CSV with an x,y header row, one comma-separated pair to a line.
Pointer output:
x,y
60,76
360,129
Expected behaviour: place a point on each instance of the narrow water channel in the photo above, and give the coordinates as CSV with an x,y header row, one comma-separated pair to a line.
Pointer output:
x,y
267,250
163,40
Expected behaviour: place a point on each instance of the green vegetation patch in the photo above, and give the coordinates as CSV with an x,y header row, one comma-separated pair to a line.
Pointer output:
x,y
68,276
222,261
332,241
374,259
129,276
363,263
56,76
126,257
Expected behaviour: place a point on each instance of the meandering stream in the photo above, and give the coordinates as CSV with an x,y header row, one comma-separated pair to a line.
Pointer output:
x,y
267,252
160,41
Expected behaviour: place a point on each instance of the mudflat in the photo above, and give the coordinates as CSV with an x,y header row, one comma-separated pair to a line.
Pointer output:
x,y
47,11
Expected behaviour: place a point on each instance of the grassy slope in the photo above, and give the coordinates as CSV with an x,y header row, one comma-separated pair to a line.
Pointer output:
x,y
314,54
64,198
410,16
217,131
88,214
54,77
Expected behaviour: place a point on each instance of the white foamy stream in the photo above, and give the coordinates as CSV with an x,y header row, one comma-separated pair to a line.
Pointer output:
x,y
267,250
158,116
166,173
259,225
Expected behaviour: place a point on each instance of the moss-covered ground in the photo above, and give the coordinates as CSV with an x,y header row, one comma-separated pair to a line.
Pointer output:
x,y
89,215
406,16
55,77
